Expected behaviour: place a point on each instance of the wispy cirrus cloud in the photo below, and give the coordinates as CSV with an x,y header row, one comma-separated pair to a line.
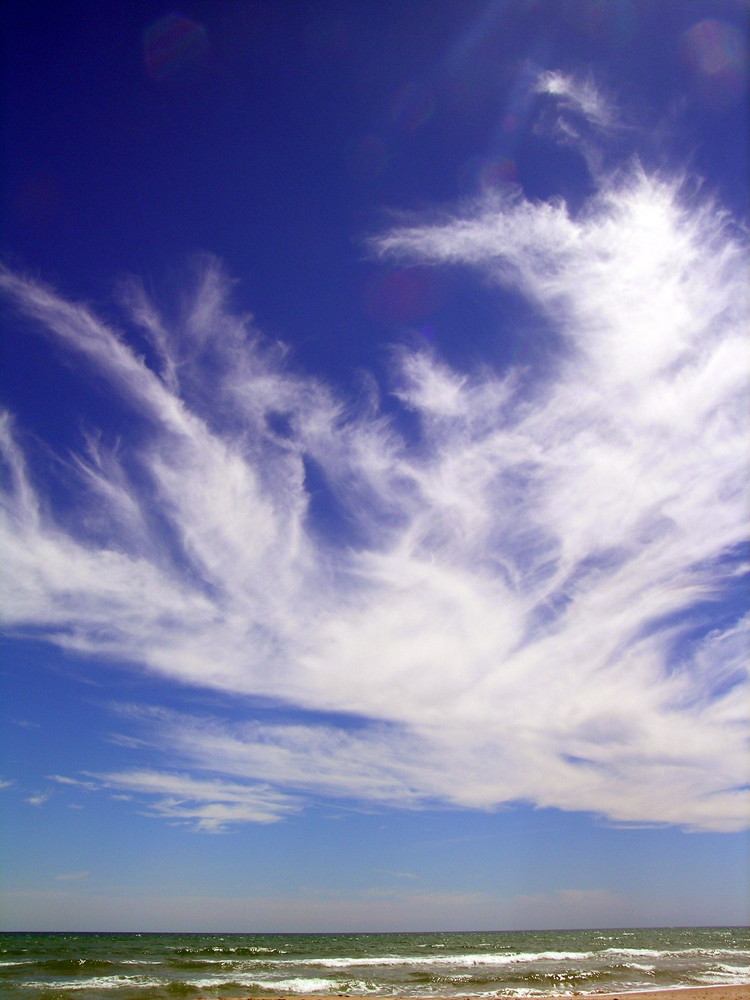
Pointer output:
x,y
208,805
62,779
37,800
576,113
580,95
535,600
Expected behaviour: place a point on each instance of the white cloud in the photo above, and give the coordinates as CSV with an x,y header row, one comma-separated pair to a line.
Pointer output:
x,y
580,95
37,800
577,114
209,805
61,779
5,784
528,605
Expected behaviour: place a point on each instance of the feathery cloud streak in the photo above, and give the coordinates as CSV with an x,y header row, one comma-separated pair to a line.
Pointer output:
x,y
535,603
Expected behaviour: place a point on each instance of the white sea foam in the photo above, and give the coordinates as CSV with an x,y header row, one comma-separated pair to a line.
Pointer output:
x,y
648,952
98,983
726,975
504,958
229,962
295,985
302,985
675,952
526,991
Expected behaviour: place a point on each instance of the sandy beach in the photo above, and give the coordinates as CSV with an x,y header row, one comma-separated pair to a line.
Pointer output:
x,y
686,993
682,993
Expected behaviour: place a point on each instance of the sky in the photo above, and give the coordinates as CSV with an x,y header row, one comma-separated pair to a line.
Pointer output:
x,y
374,534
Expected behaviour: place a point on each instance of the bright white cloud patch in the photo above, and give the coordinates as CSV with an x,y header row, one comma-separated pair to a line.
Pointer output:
x,y
210,805
579,95
539,605
37,800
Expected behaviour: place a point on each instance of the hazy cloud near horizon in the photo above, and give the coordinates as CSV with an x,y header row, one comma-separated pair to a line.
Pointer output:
x,y
533,599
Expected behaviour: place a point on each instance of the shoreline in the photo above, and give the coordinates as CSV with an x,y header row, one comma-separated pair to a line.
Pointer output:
x,y
716,992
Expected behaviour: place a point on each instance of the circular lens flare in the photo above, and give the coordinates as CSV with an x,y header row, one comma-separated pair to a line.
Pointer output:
x,y
173,46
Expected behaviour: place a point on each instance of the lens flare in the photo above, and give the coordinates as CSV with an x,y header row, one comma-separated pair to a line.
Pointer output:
x,y
716,54
412,107
480,174
407,296
174,46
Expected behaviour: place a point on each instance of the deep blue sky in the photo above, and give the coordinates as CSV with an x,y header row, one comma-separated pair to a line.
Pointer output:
x,y
374,467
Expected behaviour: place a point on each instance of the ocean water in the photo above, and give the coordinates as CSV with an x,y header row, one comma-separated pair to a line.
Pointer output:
x,y
154,966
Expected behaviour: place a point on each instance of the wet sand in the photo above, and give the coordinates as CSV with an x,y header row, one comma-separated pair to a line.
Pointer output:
x,y
682,993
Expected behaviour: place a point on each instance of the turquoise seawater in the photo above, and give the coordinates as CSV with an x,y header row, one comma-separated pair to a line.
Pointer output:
x,y
154,966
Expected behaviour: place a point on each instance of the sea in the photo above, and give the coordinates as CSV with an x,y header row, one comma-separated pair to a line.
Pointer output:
x,y
65,966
